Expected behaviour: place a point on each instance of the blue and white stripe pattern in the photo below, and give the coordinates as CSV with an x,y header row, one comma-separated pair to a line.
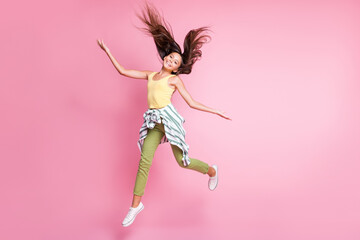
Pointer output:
x,y
174,131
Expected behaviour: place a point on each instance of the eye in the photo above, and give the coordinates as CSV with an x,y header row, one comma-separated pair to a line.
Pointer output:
x,y
171,56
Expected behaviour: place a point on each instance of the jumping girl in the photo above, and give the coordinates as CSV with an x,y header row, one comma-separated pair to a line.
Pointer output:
x,y
162,123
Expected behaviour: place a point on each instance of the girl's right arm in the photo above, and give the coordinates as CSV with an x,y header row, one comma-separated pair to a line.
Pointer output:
x,y
126,72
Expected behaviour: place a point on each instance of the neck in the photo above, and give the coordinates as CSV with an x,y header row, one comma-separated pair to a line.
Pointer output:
x,y
164,71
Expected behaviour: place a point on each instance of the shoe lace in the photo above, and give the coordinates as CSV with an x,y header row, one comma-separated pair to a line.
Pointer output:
x,y
131,213
212,181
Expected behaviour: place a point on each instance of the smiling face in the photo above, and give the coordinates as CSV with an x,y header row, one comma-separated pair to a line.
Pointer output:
x,y
172,61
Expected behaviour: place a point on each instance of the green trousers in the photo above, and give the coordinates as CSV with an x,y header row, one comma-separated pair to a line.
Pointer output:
x,y
151,142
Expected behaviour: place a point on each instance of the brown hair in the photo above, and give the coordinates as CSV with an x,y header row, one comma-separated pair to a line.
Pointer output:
x,y
161,31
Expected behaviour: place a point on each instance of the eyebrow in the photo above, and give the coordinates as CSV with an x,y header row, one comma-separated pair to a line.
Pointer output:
x,y
175,59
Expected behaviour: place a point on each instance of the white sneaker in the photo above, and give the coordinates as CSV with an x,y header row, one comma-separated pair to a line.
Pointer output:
x,y
130,217
213,181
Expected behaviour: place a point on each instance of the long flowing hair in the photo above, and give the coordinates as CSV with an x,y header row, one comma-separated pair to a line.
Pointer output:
x,y
161,31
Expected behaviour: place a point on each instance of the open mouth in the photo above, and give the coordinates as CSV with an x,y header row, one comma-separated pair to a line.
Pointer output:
x,y
167,62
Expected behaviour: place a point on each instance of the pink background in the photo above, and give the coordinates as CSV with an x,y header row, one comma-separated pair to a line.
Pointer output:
x,y
287,72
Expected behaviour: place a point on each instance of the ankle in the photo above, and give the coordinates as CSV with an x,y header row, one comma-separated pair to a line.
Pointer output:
x,y
136,201
135,205
211,172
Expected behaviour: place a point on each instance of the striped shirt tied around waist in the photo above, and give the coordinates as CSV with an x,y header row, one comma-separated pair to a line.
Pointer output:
x,y
173,125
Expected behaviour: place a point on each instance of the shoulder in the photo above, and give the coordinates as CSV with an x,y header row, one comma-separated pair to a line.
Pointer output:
x,y
175,81
148,73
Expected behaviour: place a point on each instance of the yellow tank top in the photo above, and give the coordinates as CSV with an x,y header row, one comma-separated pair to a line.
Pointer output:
x,y
159,93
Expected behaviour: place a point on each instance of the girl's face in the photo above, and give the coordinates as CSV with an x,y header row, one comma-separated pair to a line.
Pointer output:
x,y
172,61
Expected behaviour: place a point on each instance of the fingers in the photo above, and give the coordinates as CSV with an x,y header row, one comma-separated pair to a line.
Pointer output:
x,y
226,117
101,44
222,114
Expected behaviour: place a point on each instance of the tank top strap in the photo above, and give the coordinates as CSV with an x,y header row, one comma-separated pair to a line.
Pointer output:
x,y
151,75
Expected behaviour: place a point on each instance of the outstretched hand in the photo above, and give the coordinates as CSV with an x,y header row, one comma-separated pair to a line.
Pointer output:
x,y
102,45
222,114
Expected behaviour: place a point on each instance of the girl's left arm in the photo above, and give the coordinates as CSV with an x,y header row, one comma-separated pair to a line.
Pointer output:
x,y
178,83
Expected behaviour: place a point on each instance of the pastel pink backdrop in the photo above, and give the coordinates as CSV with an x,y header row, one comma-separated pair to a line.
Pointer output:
x,y
285,71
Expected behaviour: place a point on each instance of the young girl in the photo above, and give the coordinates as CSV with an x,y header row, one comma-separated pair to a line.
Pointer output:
x,y
162,123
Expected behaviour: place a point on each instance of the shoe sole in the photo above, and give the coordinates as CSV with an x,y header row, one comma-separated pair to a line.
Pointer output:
x,y
129,223
217,174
